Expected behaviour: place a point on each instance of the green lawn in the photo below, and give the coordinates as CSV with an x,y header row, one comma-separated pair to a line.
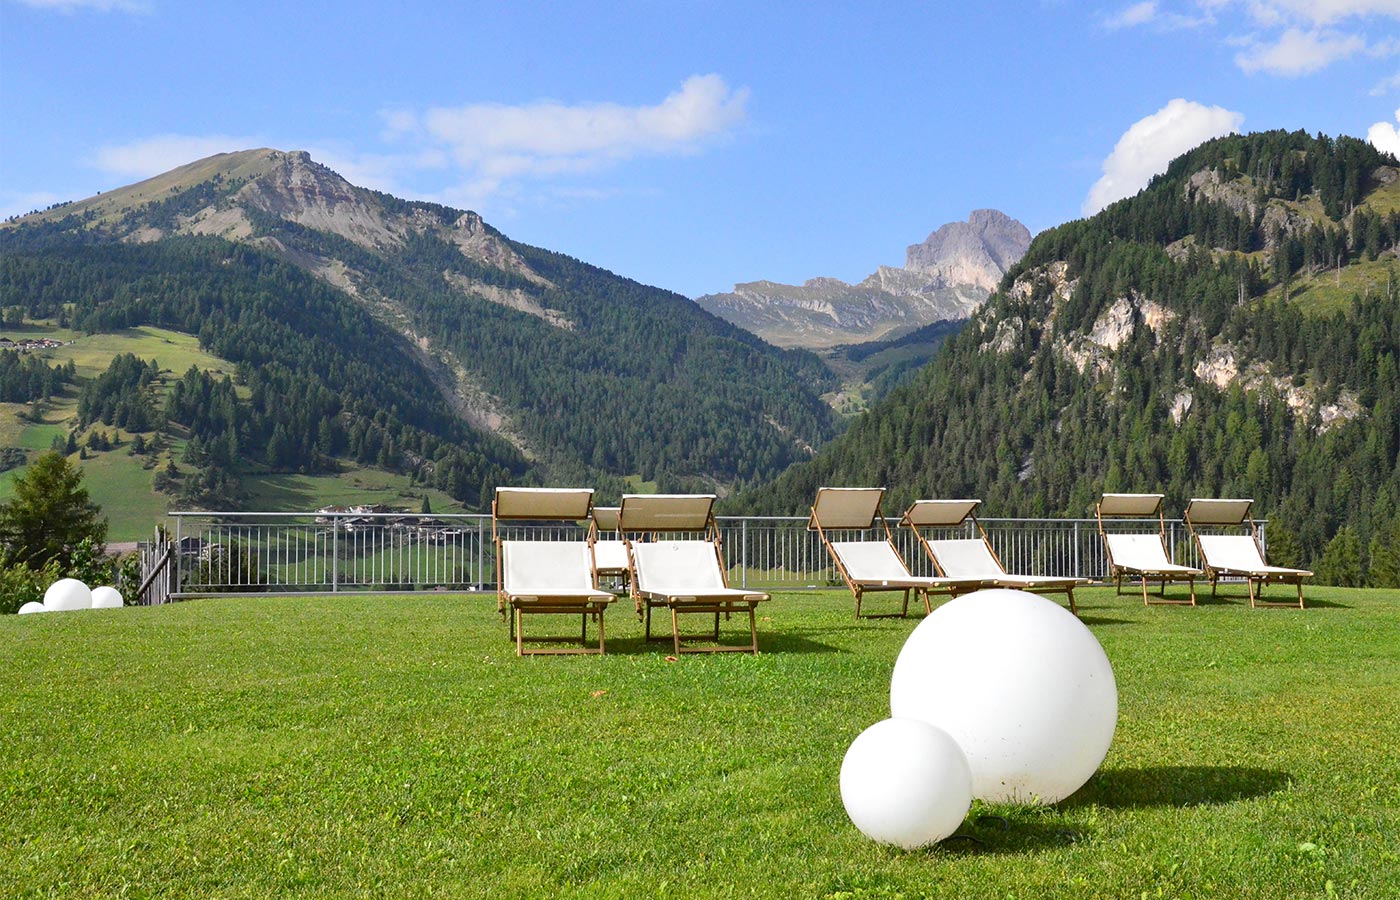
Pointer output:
x,y
360,746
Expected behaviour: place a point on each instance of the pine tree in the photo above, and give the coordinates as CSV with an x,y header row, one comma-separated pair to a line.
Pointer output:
x,y
49,513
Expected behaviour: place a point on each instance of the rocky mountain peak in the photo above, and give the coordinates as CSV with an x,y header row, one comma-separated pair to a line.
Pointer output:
x,y
976,252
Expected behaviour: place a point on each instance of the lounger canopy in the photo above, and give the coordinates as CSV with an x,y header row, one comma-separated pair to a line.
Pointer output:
x,y
546,576
677,563
973,558
1138,554
1228,539
870,566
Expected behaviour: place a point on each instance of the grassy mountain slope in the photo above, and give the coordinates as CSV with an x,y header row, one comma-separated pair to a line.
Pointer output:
x,y
1189,340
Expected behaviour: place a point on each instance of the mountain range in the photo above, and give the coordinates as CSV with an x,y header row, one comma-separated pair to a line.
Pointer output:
x,y
413,336
944,278
1232,330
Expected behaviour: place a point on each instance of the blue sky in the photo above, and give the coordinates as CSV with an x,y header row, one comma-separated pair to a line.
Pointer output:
x,y
688,145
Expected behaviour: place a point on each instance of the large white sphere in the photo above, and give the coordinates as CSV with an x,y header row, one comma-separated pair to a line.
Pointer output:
x,y
106,597
33,606
905,782
67,594
1020,684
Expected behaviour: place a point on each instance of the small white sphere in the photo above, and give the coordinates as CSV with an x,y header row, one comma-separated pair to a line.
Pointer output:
x,y
106,597
67,594
1022,686
905,782
33,606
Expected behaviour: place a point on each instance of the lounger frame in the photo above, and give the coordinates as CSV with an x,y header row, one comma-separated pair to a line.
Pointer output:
x,y
646,521
858,509
1143,506
929,514
515,603
1212,522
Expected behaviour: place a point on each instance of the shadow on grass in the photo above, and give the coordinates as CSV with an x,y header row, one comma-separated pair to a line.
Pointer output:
x,y
1178,786
770,642
1101,620
989,834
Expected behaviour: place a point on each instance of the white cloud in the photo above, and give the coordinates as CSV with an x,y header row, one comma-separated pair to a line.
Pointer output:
x,y
71,6
548,138
1151,143
1321,12
1137,14
1385,137
1297,52
154,155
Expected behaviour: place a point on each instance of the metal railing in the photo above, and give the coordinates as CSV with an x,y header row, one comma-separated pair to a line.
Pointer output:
x,y
227,553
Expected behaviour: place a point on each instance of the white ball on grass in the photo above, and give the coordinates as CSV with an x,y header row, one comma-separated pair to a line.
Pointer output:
x,y
905,782
106,597
1020,683
67,594
33,606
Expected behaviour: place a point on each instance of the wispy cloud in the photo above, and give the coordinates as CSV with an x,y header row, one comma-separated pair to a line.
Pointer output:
x,y
488,152
1384,136
72,6
1297,52
153,155
1151,143
495,145
1287,38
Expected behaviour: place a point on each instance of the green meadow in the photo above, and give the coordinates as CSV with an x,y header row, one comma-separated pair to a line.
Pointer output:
x,y
354,746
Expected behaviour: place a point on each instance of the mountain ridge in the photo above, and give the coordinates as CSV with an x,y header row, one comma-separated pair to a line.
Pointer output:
x,y
945,277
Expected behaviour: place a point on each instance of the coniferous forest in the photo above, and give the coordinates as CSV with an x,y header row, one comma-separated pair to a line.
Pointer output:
x,y
1224,377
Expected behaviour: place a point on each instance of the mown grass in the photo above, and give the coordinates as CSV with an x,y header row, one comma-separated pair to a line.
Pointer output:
x,y
372,746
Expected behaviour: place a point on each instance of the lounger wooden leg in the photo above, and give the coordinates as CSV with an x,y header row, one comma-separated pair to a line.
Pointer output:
x,y
1191,583
726,616
1145,601
1069,592
753,631
519,634
676,630
904,610
857,593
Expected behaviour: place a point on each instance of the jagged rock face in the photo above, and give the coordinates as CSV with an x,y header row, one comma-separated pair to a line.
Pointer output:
x,y
976,252
948,277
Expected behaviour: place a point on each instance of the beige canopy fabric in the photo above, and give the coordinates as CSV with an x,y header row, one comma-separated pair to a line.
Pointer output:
x,y
1217,512
973,559
543,504
1139,555
666,512
546,577
939,513
845,508
1228,539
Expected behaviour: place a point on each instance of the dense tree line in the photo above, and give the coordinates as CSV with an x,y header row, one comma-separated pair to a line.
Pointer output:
x,y
637,381
1006,414
25,378
320,370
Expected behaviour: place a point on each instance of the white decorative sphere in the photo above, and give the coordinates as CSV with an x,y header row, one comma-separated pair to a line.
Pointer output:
x,y
106,597
905,782
67,594
33,606
1022,686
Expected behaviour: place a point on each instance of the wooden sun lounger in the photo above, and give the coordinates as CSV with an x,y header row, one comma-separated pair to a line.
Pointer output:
x,y
546,577
677,564
873,566
610,558
1142,556
974,558
1235,554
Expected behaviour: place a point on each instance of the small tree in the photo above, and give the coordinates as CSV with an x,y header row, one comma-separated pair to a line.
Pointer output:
x,y
1341,560
50,514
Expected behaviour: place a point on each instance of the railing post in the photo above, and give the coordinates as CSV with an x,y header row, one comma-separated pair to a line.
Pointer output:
x,y
335,553
744,553
1077,569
